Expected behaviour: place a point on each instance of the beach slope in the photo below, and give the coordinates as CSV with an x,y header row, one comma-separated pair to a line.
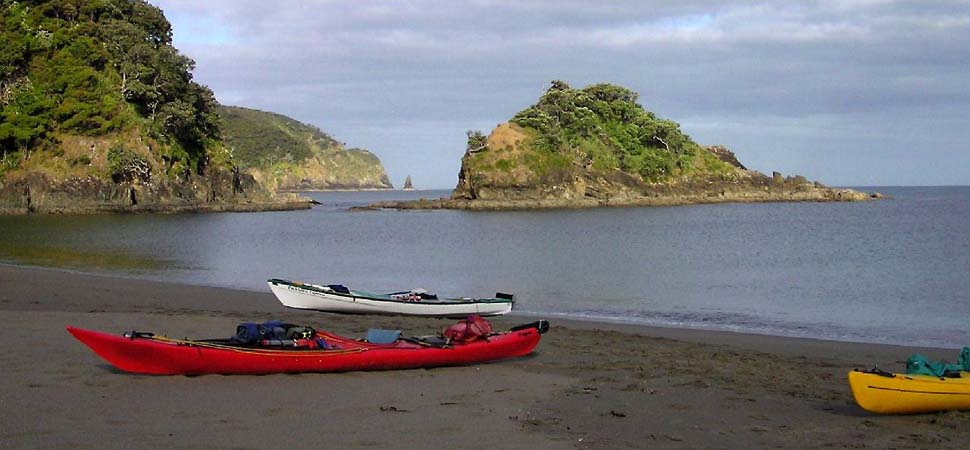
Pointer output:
x,y
588,385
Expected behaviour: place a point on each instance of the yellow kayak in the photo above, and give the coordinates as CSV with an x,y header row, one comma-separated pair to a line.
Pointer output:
x,y
893,393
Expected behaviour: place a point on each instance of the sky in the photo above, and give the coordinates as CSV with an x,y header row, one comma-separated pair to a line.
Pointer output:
x,y
845,92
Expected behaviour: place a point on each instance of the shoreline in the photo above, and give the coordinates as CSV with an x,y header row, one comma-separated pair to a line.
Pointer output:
x,y
840,195
687,333
682,332
629,326
588,385
279,204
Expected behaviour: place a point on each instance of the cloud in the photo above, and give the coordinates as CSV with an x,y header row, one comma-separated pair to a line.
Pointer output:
x,y
776,81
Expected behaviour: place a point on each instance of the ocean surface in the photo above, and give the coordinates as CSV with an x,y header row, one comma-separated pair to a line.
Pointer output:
x,y
891,271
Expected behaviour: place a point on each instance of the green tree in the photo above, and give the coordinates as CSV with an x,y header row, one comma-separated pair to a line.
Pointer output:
x,y
25,118
97,66
476,141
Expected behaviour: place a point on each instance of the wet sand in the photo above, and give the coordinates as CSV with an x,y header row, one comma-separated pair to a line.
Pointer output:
x,y
588,385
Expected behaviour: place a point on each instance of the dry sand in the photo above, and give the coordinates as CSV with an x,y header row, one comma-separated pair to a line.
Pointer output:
x,y
588,385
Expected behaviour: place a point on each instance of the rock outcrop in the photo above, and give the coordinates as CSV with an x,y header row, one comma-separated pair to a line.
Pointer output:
x,y
725,155
88,179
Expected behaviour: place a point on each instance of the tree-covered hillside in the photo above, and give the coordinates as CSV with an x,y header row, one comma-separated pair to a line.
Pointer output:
x,y
99,112
99,67
604,124
287,154
260,138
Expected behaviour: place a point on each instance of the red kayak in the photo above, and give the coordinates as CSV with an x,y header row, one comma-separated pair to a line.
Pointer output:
x,y
151,354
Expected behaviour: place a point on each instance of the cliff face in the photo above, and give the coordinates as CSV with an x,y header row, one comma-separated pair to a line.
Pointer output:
x,y
287,155
121,173
596,146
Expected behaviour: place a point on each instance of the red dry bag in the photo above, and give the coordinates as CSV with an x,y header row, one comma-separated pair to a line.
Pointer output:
x,y
469,329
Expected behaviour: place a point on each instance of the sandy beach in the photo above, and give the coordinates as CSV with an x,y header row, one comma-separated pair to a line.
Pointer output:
x,y
588,385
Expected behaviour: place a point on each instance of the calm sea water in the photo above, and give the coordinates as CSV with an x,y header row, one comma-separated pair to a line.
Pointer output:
x,y
894,271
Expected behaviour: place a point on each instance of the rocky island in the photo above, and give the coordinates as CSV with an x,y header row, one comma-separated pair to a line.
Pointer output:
x,y
284,154
597,146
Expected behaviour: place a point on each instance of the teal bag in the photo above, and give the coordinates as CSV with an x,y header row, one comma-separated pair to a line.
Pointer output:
x,y
964,359
921,365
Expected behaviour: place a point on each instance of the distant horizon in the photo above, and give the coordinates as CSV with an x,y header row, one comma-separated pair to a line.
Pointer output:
x,y
854,93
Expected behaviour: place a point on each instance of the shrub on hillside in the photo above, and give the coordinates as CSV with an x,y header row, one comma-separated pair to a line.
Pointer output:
x,y
124,165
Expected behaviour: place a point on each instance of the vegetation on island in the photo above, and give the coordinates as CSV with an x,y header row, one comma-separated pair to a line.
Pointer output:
x,y
598,146
598,134
604,124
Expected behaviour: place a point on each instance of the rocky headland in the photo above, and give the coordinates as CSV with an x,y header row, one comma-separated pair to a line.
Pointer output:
x,y
121,174
287,155
596,147
99,113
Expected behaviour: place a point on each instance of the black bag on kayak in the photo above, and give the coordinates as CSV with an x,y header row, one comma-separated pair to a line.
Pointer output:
x,y
249,333
273,329
300,332
246,334
339,288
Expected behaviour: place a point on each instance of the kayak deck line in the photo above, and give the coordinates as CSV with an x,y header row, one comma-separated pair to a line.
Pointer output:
x,y
270,351
910,391
895,393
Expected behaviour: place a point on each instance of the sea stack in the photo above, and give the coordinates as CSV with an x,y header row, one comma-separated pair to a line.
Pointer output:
x,y
407,184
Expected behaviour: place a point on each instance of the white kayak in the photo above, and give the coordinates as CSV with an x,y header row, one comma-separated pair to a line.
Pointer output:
x,y
339,299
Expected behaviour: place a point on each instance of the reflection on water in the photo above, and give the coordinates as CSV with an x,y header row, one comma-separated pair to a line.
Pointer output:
x,y
90,260
886,271
93,243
